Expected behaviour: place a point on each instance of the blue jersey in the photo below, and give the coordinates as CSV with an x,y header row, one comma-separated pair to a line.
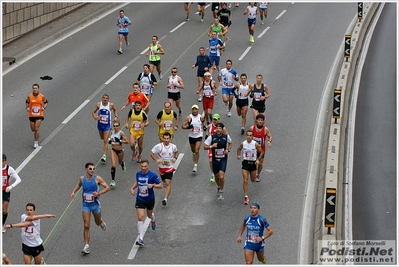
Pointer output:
x,y
89,187
121,24
104,113
255,228
143,192
213,47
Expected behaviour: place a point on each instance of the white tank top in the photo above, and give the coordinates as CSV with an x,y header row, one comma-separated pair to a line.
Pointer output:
x,y
173,82
242,91
249,150
252,12
196,131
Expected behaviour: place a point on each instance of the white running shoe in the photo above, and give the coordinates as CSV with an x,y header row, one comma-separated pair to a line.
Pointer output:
x,y
36,144
86,249
229,113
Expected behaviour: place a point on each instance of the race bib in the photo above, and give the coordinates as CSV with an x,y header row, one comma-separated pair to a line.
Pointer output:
x,y
196,129
257,96
36,110
143,190
219,152
167,125
103,118
252,238
88,198
136,125
29,230
4,180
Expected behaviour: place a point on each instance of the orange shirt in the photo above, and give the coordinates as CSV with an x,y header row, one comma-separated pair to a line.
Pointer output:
x,y
140,96
36,105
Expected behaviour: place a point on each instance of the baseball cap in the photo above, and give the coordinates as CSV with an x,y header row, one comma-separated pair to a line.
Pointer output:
x,y
4,157
194,107
256,204
216,116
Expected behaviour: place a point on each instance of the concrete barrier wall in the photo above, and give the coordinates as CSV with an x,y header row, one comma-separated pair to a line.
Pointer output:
x,y
332,176
21,18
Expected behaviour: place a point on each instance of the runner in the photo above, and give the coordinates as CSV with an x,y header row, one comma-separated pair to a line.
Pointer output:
x,y
211,129
255,238
147,82
123,30
263,11
116,140
187,6
90,201
136,95
260,92
6,260
102,114
260,133
138,120
165,155
167,121
215,45
36,103
215,9
221,145
208,91
226,78
252,11
32,244
204,64
175,83
250,161
243,89
146,181
153,54
201,10
225,19
194,122
7,173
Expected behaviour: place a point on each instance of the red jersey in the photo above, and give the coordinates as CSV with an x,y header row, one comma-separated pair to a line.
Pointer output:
x,y
140,96
260,137
5,178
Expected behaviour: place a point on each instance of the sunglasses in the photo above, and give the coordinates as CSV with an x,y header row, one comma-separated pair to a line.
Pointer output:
x,y
174,71
91,169
116,125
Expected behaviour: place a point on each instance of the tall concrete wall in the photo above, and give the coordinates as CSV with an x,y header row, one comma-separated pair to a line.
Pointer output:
x,y
20,18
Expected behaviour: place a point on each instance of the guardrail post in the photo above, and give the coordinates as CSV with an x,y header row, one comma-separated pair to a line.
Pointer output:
x,y
360,11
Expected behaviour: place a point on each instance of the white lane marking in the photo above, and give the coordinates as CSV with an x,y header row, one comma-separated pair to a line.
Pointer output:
x,y
116,75
178,26
245,52
34,152
82,26
76,111
282,13
264,31
144,51
135,247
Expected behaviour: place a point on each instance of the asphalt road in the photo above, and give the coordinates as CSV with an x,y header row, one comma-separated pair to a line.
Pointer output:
x,y
375,156
294,55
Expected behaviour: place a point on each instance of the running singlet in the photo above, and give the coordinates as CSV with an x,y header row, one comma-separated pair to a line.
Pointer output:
x,y
145,83
154,53
36,105
5,178
214,45
167,122
143,192
263,5
257,93
89,187
122,28
260,137
207,90
242,91
255,228
136,120
105,114
217,29
31,234
196,131
252,12
249,150
116,138
166,154
222,141
173,82
228,77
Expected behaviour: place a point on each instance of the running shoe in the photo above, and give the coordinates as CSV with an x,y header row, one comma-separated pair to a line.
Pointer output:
x,y
262,22
104,158
257,179
127,43
264,260
164,202
251,39
218,192
140,243
120,51
220,195
242,130
229,113
4,229
86,249
202,20
123,167
138,159
160,76
103,226
212,178
112,183
153,224
246,200
133,156
195,168
229,5
200,98
187,19
36,144
227,38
